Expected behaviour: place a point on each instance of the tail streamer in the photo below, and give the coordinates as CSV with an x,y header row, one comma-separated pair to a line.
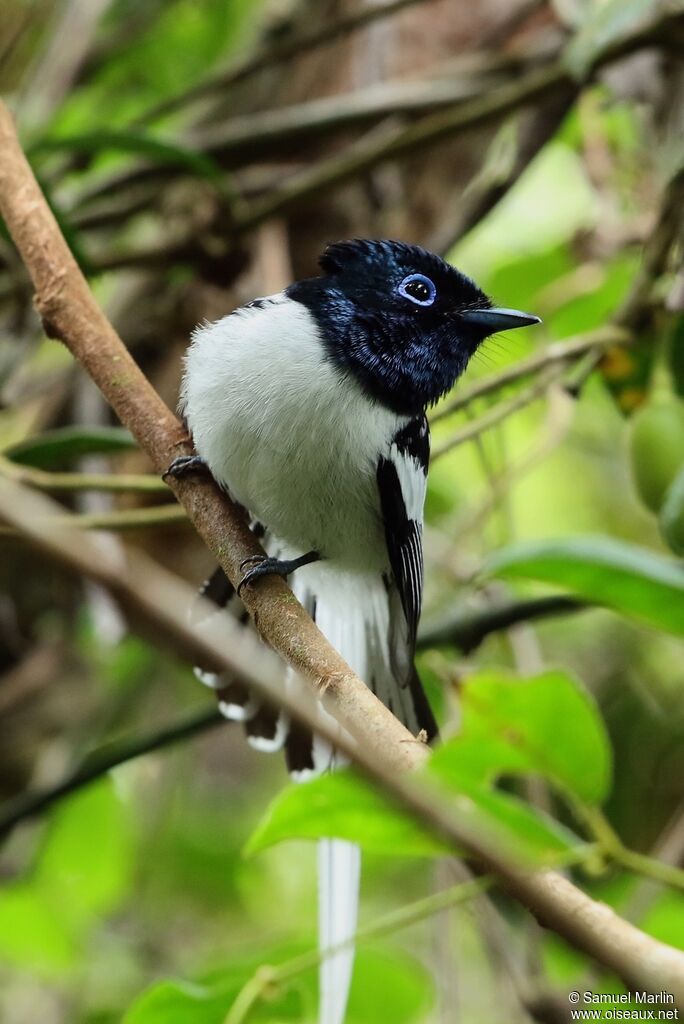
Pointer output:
x,y
339,871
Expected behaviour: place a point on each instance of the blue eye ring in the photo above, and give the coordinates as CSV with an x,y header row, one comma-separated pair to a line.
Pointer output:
x,y
424,289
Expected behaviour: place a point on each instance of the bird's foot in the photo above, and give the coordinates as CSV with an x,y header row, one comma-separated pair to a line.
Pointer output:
x,y
184,465
263,565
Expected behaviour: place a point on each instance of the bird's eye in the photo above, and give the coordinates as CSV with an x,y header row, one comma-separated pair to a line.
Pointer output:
x,y
418,289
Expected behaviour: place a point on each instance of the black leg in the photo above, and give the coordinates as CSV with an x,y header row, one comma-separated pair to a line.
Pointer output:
x,y
265,566
184,465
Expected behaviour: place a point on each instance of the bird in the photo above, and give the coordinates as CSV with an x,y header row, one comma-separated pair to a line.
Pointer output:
x,y
309,408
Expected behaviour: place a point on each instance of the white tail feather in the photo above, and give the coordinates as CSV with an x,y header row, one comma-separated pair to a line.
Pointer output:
x,y
352,610
339,870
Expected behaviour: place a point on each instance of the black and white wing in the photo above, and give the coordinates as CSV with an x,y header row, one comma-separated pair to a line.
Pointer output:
x,y
266,726
402,477
402,480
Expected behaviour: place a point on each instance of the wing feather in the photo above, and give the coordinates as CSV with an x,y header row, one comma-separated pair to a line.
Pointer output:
x,y
401,477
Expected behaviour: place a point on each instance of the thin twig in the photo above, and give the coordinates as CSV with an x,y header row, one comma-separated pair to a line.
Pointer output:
x,y
269,134
383,146
668,227
496,414
498,175
366,154
669,849
48,481
151,517
99,762
520,89
266,977
560,352
554,430
428,131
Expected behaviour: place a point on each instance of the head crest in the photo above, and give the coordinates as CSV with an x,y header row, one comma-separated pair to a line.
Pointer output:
x,y
338,254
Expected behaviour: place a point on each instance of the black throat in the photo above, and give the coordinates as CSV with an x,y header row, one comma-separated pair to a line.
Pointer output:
x,y
400,364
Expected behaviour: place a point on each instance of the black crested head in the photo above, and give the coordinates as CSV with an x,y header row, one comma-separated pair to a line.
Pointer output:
x,y
399,318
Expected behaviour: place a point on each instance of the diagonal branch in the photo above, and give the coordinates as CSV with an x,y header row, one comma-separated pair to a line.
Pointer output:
x,y
465,629
159,599
70,313
383,747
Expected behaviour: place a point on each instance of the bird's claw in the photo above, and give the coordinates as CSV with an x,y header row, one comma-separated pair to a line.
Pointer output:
x,y
252,558
183,465
265,565
262,565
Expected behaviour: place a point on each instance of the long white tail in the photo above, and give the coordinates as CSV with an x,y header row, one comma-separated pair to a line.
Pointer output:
x,y
365,623
339,870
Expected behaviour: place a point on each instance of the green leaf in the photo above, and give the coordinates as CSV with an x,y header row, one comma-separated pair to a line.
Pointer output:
x,y
83,878
346,807
526,833
157,150
628,579
63,444
32,933
208,999
566,315
161,50
183,1002
385,986
665,919
547,725
388,986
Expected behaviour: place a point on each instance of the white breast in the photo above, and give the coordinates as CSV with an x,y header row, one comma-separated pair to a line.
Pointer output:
x,y
293,439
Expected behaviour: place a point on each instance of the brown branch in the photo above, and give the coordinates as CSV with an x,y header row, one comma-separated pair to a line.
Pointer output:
x,y
71,314
518,91
385,146
278,53
465,630
636,308
493,182
380,145
384,747
271,134
629,320
160,599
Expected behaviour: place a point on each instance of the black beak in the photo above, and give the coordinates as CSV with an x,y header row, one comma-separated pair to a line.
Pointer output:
x,y
497,319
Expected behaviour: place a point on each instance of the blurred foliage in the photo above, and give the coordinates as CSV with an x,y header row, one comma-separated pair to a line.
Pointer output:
x,y
60,447
156,893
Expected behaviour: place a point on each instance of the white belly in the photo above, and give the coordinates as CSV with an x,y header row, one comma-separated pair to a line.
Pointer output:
x,y
291,439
